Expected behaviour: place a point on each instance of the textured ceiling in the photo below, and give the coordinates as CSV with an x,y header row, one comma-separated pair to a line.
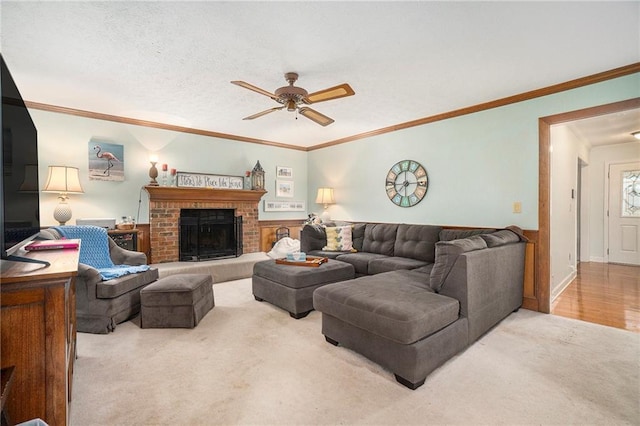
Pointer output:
x,y
172,62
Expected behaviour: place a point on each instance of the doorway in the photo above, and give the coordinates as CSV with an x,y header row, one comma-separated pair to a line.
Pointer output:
x,y
603,292
543,249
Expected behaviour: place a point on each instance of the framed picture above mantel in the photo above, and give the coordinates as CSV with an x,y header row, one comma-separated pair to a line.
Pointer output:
x,y
206,180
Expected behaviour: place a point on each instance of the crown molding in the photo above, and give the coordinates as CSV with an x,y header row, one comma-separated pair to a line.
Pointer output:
x,y
549,90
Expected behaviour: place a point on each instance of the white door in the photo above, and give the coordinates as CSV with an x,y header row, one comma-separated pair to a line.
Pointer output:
x,y
624,213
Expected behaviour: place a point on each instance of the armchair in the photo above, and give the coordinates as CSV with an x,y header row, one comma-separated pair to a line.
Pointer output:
x,y
102,304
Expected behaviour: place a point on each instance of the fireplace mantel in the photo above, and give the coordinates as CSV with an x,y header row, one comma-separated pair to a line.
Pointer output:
x,y
165,203
170,193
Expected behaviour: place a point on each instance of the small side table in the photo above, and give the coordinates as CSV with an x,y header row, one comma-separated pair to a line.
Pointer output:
x,y
125,238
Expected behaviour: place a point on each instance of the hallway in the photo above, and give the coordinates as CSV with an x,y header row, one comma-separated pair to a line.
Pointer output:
x,y
603,293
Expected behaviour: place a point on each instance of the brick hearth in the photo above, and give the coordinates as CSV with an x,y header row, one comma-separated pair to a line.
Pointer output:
x,y
164,213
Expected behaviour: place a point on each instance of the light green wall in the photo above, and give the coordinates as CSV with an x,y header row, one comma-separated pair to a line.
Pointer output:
x,y
478,164
63,140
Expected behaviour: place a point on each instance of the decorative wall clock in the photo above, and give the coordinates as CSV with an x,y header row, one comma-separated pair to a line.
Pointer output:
x,y
406,183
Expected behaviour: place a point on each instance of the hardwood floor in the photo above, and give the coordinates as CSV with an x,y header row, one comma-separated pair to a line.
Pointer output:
x,y
604,294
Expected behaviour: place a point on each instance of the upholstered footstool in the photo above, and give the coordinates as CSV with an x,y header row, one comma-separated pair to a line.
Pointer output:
x,y
291,287
176,301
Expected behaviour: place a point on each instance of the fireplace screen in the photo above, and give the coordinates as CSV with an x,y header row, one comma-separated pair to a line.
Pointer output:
x,y
209,234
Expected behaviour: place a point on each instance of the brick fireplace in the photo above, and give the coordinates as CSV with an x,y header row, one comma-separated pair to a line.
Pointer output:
x,y
164,214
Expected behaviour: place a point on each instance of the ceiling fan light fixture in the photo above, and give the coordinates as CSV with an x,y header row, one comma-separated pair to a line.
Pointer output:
x,y
290,97
636,134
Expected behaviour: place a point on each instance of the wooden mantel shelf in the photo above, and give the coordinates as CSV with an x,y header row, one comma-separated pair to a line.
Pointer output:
x,y
170,193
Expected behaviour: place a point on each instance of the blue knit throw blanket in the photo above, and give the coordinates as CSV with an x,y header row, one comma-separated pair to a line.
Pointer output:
x,y
94,250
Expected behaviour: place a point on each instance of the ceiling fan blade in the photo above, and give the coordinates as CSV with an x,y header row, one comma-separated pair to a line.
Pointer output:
x,y
260,114
255,89
314,115
335,92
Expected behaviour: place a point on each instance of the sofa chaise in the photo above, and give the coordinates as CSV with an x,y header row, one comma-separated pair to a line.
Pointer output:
x,y
422,295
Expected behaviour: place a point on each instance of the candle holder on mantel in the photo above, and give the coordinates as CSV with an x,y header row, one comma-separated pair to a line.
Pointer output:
x,y
257,177
153,174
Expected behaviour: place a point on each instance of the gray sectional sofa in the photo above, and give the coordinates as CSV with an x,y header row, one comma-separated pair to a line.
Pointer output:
x,y
422,293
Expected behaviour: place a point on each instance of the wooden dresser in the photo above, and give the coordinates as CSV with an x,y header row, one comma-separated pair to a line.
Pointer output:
x,y
38,334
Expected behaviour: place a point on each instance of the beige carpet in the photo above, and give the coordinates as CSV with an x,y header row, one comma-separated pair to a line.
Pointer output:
x,y
250,363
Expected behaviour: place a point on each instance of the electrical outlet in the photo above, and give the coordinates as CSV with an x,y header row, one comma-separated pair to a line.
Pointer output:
x,y
517,207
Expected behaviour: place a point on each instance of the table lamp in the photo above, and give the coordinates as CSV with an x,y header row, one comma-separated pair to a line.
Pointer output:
x,y
63,180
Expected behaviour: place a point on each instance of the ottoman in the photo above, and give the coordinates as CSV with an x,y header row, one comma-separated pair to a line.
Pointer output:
x,y
291,287
176,301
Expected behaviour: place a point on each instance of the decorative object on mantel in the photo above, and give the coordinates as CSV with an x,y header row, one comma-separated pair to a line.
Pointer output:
x,y
257,177
207,180
165,169
64,180
174,179
325,197
153,172
247,179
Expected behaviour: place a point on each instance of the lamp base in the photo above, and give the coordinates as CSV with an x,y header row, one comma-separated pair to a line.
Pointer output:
x,y
325,216
62,212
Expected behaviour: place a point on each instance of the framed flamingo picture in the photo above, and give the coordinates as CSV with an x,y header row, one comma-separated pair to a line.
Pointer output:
x,y
106,161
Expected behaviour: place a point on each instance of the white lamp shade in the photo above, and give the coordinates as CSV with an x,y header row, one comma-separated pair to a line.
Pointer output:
x,y
325,196
63,179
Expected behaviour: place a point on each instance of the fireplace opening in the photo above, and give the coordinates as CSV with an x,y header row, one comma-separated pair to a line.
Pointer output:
x,y
209,234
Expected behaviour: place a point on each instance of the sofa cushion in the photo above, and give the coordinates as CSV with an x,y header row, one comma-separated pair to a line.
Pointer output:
x,y
385,305
380,238
338,238
119,286
417,242
358,235
426,269
447,253
328,254
312,237
393,263
500,238
360,260
456,234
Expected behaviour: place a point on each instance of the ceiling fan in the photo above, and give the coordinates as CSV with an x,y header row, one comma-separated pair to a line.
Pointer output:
x,y
291,97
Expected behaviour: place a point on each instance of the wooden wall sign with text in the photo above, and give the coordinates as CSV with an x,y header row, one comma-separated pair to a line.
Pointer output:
x,y
205,180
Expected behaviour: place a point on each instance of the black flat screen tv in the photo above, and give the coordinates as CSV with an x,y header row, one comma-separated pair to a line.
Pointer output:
x,y
20,198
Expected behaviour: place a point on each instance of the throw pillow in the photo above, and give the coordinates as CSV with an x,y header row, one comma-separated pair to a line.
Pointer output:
x,y
456,234
447,253
339,238
500,238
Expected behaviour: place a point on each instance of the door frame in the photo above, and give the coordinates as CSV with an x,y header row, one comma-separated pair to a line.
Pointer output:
x,y
543,254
